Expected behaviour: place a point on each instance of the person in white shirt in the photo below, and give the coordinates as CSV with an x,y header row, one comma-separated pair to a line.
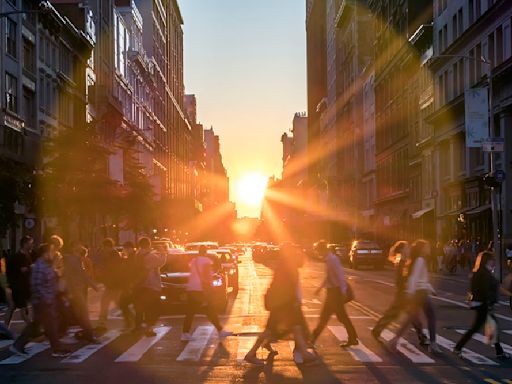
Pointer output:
x,y
418,291
337,289
199,281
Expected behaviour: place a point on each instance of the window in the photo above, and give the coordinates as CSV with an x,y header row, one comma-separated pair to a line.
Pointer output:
x,y
499,45
12,140
455,33
11,93
471,8
478,8
29,108
28,56
445,37
460,22
440,40
490,48
10,34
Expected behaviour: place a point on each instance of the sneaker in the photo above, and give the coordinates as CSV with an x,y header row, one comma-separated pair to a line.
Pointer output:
x,y
224,334
503,356
61,353
150,333
434,348
253,359
349,343
424,341
18,351
186,336
458,353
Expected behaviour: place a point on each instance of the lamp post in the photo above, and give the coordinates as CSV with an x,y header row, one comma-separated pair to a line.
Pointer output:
x,y
495,197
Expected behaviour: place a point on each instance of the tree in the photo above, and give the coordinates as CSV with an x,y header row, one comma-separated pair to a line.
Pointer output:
x,y
137,203
74,185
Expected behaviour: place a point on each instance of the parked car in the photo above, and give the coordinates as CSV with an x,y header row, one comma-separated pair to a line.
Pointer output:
x,y
207,244
175,276
343,252
366,252
229,263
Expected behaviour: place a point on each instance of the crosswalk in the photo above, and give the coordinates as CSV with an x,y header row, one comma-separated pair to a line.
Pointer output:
x,y
367,352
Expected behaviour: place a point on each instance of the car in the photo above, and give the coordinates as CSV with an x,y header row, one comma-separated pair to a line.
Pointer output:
x,y
229,262
176,272
366,252
207,244
343,252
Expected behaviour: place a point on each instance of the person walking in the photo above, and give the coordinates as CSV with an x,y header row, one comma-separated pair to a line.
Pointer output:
x,y
337,292
199,293
439,257
18,278
130,271
419,290
484,290
283,300
109,273
44,287
78,283
148,293
399,251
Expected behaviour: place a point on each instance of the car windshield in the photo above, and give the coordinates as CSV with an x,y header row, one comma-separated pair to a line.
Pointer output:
x,y
367,245
178,263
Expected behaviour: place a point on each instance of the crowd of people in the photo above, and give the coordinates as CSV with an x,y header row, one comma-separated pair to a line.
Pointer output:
x,y
49,286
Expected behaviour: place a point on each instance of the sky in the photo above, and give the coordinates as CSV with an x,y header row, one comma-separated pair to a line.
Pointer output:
x,y
245,60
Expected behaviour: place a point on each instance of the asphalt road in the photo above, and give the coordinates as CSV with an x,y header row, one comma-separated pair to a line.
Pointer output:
x,y
126,358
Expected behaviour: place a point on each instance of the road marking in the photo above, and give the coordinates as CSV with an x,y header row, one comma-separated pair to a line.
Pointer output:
x,y
31,348
478,337
244,345
407,349
508,332
5,343
491,381
142,346
458,303
468,354
196,346
84,353
358,352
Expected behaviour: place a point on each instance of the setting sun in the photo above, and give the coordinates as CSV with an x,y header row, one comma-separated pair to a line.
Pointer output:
x,y
250,189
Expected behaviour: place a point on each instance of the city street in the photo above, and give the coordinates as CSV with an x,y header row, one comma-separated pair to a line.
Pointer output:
x,y
121,357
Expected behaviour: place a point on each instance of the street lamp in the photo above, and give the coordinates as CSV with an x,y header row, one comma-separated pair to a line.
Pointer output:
x,y
495,205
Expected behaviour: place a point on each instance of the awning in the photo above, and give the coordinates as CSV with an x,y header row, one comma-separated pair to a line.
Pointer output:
x,y
478,210
417,215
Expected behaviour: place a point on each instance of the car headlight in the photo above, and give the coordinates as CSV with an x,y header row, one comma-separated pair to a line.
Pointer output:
x,y
163,297
217,283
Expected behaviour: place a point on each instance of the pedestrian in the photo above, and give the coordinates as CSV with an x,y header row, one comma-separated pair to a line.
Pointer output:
x,y
484,292
78,283
283,301
338,291
44,283
419,290
109,267
18,277
130,271
439,256
399,251
199,294
147,297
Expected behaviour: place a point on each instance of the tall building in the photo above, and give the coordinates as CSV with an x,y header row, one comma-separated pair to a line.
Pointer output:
x,y
295,151
43,64
472,40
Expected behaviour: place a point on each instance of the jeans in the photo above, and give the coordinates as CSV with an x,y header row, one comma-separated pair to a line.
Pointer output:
x,y
194,304
81,312
334,305
147,307
479,321
109,295
44,315
398,305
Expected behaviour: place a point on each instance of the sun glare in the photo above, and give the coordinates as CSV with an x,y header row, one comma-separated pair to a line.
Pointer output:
x,y
250,189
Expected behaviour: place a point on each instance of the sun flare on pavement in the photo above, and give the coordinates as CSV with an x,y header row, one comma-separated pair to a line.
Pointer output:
x,y
250,189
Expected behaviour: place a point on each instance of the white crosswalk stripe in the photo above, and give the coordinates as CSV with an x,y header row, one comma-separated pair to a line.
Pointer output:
x,y
137,350
407,349
32,350
196,346
358,352
245,343
84,353
478,337
468,354
5,343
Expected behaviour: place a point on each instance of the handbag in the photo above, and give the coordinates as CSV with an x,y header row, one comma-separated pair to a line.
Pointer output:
x,y
491,330
349,294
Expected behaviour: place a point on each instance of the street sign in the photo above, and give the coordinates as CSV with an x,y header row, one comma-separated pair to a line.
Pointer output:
x,y
496,144
500,175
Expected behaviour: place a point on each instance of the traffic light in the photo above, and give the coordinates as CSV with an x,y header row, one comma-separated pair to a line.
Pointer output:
x,y
490,181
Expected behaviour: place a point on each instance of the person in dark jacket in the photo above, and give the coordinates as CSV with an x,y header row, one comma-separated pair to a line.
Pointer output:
x,y
18,277
399,254
484,290
110,274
